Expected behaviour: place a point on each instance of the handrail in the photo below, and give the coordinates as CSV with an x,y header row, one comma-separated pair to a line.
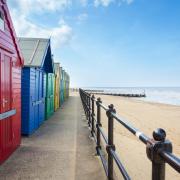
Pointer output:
x,y
104,162
171,159
132,129
158,149
120,165
104,107
103,135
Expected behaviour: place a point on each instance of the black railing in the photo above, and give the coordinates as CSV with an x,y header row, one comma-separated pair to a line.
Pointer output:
x,y
158,149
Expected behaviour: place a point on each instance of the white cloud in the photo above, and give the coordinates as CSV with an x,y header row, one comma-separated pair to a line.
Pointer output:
x,y
82,17
102,2
106,3
60,35
21,10
84,2
61,21
38,6
129,1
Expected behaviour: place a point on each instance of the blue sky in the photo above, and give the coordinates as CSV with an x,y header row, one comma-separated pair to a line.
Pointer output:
x,y
107,42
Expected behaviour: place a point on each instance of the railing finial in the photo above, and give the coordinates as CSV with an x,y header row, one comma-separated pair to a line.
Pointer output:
x,y
159,143
110,110
159,134
99,100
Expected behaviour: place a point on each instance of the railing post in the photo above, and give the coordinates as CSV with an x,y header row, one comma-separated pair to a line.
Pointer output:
x,y
86,102
158,143
89,110
92,115
98,124
110,140
84,106
82,97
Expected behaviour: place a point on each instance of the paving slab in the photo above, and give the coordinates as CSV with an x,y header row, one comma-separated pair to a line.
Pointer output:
x,y
60,149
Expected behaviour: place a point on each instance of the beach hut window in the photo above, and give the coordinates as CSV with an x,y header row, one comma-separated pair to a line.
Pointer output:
x,y
1,21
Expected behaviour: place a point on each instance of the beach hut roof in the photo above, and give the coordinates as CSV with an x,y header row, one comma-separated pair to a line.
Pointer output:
x,y
56,67
7,17
37,53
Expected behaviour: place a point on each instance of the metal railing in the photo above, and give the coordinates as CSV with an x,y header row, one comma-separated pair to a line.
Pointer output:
x,y
158,149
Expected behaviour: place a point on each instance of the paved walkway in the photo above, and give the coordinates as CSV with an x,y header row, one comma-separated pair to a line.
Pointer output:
x,y
60,150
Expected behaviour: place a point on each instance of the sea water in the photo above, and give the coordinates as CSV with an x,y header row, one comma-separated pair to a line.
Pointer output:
x,y
165,95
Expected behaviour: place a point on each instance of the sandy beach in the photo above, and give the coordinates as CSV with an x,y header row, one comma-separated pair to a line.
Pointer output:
x,y
146,117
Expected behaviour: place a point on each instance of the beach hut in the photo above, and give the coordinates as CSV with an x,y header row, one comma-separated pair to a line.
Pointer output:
x,y
50,85
57,86
67,85
50,80
11,62
64,81
38,62
62,86
60,70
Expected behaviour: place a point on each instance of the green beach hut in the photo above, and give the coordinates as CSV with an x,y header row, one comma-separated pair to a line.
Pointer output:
x,y
50,85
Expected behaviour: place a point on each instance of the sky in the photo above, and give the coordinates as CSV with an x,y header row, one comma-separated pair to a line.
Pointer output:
x,y
107,43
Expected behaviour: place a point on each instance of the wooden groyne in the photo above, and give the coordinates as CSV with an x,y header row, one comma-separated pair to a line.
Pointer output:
x,y
96,91
119,94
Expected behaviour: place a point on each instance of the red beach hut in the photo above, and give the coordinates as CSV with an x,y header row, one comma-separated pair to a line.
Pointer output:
x,y
11,62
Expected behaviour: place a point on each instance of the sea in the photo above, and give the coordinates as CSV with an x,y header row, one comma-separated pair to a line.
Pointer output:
x,y
164,95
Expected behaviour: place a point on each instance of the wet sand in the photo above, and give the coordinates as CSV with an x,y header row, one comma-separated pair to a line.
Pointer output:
x,y
146,117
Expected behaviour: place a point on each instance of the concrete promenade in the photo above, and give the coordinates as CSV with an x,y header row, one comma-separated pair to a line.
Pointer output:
x,y
60,150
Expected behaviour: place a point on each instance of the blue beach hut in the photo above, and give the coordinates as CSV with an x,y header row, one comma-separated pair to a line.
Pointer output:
x,y
38,62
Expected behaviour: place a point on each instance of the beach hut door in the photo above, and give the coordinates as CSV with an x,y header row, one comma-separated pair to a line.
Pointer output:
x,y
5,97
